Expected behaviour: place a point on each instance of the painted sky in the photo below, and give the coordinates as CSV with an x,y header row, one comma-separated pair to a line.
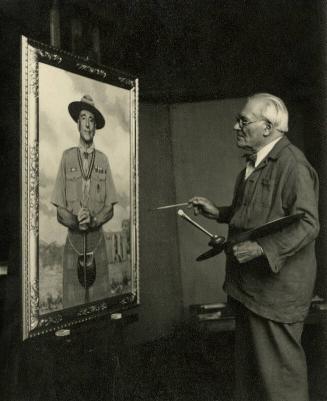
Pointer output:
x,y
58,131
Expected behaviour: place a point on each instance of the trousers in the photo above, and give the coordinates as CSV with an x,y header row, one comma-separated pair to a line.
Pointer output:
x,y
270,363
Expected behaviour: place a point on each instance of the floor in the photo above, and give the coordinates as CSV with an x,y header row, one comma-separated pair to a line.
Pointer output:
x,y
186,366
180,369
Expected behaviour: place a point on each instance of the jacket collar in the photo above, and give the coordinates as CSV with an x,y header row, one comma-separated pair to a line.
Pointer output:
x,y
276,150
274,153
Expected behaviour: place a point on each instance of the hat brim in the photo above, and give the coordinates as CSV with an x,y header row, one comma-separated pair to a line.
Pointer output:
x,y
75,108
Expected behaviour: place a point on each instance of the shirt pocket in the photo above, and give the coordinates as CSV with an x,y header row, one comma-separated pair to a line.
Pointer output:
x,y
99,188
73,180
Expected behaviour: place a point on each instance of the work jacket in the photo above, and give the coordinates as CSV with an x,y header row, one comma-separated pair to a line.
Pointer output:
x,y
278,285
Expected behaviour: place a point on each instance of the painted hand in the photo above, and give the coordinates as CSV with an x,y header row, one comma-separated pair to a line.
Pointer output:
x,y
83,218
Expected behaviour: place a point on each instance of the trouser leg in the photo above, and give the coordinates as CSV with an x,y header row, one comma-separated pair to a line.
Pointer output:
x,y
246,377
269,359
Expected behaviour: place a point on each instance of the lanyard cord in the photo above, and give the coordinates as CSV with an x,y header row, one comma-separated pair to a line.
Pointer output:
x,y
91,165
80,254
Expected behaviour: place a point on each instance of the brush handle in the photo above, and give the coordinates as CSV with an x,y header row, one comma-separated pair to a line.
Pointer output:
x,y
195,224
170,206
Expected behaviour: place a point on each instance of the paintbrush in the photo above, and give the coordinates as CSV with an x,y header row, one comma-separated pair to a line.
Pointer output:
x,y
168,206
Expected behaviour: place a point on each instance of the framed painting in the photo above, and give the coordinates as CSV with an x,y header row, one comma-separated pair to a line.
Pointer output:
x,y
79,180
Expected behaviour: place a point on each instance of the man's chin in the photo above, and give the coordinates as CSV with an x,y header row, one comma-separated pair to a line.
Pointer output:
x,y
88,140
240,143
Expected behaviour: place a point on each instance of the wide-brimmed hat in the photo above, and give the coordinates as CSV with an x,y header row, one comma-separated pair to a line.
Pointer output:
x,y
86,103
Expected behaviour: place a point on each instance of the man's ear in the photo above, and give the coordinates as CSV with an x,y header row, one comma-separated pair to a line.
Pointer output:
x,y
267,129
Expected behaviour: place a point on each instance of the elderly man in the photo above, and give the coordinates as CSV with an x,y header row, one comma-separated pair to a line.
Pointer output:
x,y
84,195
270,281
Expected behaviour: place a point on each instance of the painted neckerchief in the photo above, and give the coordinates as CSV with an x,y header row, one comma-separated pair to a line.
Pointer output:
x,y
86,159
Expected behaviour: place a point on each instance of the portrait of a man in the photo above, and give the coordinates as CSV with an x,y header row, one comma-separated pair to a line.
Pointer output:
x,y
84,195
85,198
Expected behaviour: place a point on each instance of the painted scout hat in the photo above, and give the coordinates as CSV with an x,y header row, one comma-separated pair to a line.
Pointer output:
x,y
86,103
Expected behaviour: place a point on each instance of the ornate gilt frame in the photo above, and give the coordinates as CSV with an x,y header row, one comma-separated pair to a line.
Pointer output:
x,y
33,54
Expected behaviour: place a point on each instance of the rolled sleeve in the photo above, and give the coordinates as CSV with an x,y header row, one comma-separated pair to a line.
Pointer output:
x,y
299,195
111,193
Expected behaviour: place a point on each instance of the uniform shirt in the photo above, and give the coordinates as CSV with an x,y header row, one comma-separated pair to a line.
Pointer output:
x,y
278,286
69,187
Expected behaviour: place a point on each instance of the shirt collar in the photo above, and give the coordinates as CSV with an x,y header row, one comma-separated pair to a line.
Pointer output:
x,y
263,152
83,149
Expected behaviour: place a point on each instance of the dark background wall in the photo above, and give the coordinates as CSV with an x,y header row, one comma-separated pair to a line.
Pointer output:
x,y
160,279
206,164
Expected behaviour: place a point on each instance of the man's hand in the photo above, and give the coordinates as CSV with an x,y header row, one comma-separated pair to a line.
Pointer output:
x,y
246,251
84,218
203,206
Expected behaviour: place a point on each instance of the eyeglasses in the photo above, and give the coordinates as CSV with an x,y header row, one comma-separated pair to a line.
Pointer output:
x,y
243,122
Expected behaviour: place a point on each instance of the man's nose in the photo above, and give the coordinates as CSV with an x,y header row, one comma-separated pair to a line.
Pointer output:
x,y
237,126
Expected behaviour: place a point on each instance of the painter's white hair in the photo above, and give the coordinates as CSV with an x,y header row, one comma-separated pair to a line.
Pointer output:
x,y
273,110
